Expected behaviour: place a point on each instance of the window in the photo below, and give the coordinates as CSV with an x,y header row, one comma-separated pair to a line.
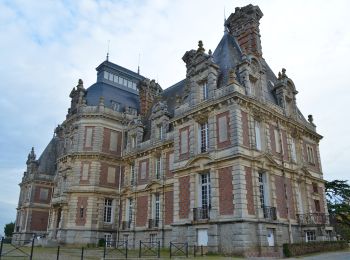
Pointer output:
x,y
293,150
120,81
111,175
205,191
310,154
204,90
115,79
277,141
126,238
110,77
270,237
156,209
257,136
85,172
184,141
105,74
153,238
107,216
310,236
202,237
81,212
132,174
129,210
314,187
160,132
204,137
133,141
132,111
113,141
44,193
317,206
115,105
262,189
171,161
158,167
222,122
108,240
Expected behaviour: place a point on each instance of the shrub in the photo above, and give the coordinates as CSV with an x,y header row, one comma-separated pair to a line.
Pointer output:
x,y
313,247
101,242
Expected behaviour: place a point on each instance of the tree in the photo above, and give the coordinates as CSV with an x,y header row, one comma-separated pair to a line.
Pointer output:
x,y
9,228
338,202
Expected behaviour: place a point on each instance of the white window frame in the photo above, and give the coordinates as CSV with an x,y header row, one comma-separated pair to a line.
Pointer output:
x,y
257,135
310,235
160,132
203,137
158,163
108,211
204,90
132,174
156,207
108,239
310,154
263,189
204,190
129,210
133,141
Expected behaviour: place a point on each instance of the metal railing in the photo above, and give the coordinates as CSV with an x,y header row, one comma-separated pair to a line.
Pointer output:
x,y
153,223
312,219
16,248
178,249
269,213
149,249
202,213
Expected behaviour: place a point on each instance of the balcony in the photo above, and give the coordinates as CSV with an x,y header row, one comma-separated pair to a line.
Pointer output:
x,y
201,214
126,225
269,213
153,223
312,219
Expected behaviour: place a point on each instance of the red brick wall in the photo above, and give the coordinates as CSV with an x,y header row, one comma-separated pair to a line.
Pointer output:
x,y
89,148
184,154
280,197
169,207
290,196
107,139
104,176
139,179
226,143
249,187
39,220
37,195
225,191
245,129
82,202
141,211
169,173
272,139
184,200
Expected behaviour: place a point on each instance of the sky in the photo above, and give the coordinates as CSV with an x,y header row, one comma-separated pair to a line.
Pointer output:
x,y
46,46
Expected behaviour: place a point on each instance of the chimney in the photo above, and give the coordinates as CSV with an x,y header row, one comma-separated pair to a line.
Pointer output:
x,y
148,91
243,24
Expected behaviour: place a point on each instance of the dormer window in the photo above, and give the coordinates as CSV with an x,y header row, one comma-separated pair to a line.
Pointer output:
x,y
132,111
160,132
204,90
115,105
133,141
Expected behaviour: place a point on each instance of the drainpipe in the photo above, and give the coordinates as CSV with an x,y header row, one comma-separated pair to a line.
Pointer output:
x,y
284,184
119,187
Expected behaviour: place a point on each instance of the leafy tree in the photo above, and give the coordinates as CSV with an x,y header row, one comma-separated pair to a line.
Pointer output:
x,y
9,228
338,202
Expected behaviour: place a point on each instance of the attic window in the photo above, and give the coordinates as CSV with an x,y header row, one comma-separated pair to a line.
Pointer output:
x,y
115,105
204,90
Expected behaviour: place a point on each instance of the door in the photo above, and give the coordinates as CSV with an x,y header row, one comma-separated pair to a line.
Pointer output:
x,y
270,237
202,237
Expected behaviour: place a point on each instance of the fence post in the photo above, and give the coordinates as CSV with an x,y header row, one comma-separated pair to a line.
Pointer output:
x,y
2,241
170,249
31,250
194,250
104,251
140,250
126,249
158,249
58,253
201,250
82,253
186,249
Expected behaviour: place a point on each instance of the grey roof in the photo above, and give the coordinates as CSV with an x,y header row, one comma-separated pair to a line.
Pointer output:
x,y
169,95
227,55
109,92
47,160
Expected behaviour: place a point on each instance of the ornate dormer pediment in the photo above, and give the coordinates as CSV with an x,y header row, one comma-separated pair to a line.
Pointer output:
x,y
201,161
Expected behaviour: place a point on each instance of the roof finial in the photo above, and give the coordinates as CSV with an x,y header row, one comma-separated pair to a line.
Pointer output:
x,y
200,47
107,57
138,65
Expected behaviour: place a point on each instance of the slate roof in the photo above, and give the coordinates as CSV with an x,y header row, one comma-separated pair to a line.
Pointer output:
x,y
48,158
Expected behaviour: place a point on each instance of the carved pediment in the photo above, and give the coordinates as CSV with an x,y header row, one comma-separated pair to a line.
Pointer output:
x,y
266,159
200,161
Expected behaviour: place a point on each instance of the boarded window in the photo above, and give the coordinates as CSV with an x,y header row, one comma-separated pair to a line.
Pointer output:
x,y
85,172
293,150
111,175
88,136
277,141
143,169
257,136
184,141
223,131
317,206
44,193
171,161
113,142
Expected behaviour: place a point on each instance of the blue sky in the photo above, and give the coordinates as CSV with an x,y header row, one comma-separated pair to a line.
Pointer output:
x,y
46,46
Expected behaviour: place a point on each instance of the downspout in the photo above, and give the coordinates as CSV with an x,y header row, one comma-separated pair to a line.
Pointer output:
x,y
284,184
119,187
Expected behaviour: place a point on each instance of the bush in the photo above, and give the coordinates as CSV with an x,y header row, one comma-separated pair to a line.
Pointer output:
x,y
313,247
101,242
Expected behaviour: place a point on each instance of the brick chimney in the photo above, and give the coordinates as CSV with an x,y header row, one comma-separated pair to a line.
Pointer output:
x,y
243,24
148,91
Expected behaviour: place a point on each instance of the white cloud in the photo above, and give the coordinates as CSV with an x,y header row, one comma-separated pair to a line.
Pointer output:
x,y
47,45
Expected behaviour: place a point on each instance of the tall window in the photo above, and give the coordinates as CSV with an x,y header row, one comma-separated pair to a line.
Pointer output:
x,y
317,206
293,150
133,141
156,209
158,167
277,141
160,132
257,136
205,190
310,154
132,174
107,216
262,189
204,90
130,210
204,137
310,236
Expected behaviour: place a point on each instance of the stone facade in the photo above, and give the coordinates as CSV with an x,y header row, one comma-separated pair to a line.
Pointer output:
x,y
222,159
